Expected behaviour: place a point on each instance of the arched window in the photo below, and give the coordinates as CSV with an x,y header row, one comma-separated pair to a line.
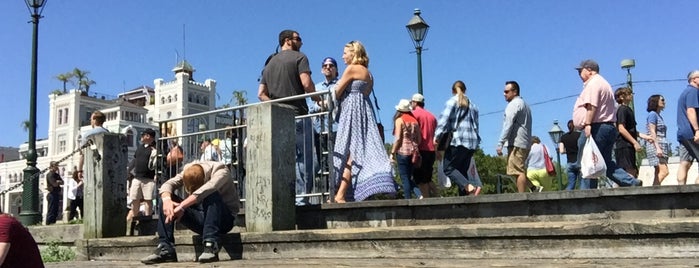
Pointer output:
x,y
129,138
162,100
60,116
190,98
175,97
169,99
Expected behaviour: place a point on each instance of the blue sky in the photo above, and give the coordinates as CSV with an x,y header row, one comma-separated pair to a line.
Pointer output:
x,y
126,44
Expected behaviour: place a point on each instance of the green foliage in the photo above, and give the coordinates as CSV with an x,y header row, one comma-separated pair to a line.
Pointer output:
x,y
54,252
76,221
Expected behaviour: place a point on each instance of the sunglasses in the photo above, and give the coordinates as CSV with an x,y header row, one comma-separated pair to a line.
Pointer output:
x,y
297,38
328,66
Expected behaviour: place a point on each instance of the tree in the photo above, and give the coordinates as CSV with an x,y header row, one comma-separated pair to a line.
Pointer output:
x,y
65,78
26,125
239,98
83,81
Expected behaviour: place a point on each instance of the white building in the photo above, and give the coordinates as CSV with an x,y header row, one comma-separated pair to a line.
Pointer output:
x,y
130,113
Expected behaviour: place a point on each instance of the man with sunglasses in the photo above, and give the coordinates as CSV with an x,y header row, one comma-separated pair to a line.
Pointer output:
x,y
289,74
322,132
516,134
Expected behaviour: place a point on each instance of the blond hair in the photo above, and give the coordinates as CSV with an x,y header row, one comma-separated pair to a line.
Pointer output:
x,y
193,178
459,88
359,55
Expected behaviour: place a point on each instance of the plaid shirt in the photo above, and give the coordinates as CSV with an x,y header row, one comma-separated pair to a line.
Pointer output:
x,y
467,134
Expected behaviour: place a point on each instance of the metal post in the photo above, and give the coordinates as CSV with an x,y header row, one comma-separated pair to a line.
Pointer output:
x,y
630,85
558,163
30,196
419,69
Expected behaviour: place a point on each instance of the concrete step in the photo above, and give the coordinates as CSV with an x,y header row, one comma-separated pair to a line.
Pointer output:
x,y
648,238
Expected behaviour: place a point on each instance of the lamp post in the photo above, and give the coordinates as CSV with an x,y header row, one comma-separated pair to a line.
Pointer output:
x,y
627,64
556,132
417,28
30,189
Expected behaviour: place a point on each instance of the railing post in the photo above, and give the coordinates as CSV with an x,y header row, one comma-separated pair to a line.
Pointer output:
x,y
105,187
271,180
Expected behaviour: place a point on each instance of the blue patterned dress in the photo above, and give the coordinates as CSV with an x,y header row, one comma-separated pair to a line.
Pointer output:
x,y
358,137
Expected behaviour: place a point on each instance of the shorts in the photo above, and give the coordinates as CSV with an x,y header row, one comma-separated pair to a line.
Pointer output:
x,y
423,174
626,158
516,158
684,154
142,189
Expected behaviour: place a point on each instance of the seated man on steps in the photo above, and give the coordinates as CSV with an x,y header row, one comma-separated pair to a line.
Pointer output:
x,y
209,210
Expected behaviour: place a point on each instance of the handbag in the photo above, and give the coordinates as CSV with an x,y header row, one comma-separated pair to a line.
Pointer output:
x,y
592,164
416,159
550,169
446,137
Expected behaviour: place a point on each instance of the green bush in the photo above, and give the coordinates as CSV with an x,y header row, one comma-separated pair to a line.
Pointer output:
x,y
54,252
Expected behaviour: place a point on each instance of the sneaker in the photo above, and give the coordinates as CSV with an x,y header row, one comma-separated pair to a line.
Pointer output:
x,y
536,189
210,253
162,254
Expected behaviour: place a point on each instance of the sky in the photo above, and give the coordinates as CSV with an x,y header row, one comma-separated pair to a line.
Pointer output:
x,y
127,44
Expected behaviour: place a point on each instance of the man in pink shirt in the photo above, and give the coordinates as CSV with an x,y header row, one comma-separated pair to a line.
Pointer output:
x,y
595,115
423,175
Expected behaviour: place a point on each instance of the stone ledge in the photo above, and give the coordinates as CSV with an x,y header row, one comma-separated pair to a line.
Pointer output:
x,y
585,239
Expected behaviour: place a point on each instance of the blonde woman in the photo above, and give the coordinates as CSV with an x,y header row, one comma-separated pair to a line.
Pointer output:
x,y
359,157
406,132
460,119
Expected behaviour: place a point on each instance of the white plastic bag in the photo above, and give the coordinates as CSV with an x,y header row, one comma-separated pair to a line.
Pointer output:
x,y
442,179
592,164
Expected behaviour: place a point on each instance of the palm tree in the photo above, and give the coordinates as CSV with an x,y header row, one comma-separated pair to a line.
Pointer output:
x,y
240,99
26,125
86,83
64,78
83,82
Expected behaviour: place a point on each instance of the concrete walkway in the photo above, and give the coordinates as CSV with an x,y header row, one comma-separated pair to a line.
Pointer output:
x,y
306,263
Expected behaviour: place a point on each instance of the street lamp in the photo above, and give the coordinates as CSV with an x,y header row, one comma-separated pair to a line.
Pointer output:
x,y
556,132
417,28
30,189
627,64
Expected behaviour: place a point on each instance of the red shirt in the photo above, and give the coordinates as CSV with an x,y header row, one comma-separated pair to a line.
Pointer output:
x,y
427,123
23,249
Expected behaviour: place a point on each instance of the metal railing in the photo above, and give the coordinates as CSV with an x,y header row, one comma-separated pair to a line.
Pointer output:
x,y
227,144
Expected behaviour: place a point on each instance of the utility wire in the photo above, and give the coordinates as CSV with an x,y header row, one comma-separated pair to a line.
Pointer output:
x,y
571,96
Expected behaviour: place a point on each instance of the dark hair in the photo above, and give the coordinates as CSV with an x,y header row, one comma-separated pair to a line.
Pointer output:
x,y
653,103
622,91
571,126
286,34
515,86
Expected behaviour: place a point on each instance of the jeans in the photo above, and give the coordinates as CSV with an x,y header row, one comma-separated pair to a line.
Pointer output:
x,y
573,171
74,205
405,168
304,159
210,218
604,135
456,162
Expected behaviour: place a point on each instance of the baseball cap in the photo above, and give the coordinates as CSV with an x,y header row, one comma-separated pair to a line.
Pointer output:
x,y
329,60
418,97
588,64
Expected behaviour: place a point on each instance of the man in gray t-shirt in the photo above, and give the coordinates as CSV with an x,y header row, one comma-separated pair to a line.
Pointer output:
x,y
288,74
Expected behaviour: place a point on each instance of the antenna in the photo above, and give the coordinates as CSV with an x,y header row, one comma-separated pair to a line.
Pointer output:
x,y
184,42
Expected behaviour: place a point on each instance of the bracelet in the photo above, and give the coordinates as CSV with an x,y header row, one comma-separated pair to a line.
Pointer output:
x,y
165,198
